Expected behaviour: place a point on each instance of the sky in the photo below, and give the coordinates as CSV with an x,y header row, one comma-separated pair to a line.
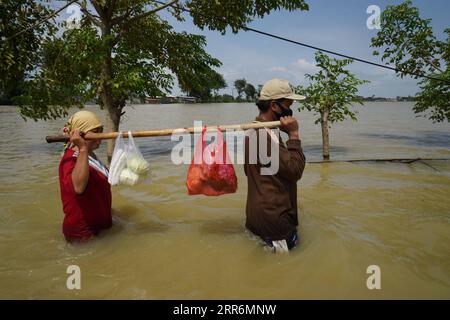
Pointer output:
x,y
334,25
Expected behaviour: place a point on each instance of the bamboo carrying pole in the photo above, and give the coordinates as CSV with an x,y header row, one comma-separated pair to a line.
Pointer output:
x,y
167,132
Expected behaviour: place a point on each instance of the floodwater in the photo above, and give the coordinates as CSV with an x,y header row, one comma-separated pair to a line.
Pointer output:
x,y
167,245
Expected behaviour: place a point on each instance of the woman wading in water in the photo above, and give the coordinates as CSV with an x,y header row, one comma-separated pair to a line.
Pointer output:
x,y
83,179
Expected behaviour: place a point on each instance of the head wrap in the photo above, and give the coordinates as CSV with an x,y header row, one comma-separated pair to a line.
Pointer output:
x,y
83,121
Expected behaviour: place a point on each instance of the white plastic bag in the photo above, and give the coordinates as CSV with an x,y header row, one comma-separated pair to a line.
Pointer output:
x,y
118,161
135,160
128,166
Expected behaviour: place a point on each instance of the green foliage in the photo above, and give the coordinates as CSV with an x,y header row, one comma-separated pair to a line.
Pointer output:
x,y
145,58
240,85
250,92
409,44
332,89
203,90
20,54
149,50
69,74
226,98
222,14
409,41
123,49
434,97
260,86
218,82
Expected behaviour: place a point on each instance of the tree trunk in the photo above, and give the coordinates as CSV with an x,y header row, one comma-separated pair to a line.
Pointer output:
x,y
106,94
325,135
112,126
108,104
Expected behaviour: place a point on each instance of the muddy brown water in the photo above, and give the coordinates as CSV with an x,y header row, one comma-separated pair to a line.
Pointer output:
x,y
167,245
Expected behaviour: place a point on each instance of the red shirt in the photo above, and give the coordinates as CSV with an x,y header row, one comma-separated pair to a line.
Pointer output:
x,y
86,214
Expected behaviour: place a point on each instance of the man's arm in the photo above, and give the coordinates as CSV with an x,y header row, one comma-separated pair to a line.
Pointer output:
x,y
292,160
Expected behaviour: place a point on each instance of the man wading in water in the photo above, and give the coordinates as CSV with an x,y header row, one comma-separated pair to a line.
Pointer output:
x,y
272,198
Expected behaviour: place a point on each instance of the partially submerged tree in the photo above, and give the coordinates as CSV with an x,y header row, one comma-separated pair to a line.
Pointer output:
x,y
250,92
409,44
123,48
213,82
260,86
330,94
218,83
240,84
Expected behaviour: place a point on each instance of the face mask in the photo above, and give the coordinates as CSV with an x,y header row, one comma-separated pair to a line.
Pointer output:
x,y
285,112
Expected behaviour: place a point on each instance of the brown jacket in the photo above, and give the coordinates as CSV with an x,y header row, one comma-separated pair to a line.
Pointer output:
x,y
272,199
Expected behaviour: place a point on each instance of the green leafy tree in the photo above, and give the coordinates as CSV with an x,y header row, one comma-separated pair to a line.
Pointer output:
x,y
330,94
408,43
219,83
18,49
123,48
227,98
240,85
213,81
250,92
260,86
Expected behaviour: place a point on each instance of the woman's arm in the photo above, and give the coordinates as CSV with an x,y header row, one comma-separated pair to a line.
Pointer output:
x,y
80,174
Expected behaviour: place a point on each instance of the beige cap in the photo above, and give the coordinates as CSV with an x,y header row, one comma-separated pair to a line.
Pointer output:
x,y
278,89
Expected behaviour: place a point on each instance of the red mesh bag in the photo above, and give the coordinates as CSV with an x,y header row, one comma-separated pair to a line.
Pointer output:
x,y
211,172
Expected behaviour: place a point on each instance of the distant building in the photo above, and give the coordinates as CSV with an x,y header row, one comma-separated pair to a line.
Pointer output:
x,y
186,99
170,99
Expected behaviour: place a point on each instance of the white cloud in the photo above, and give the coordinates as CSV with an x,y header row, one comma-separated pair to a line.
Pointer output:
x,y
303,66
278,69
293,71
